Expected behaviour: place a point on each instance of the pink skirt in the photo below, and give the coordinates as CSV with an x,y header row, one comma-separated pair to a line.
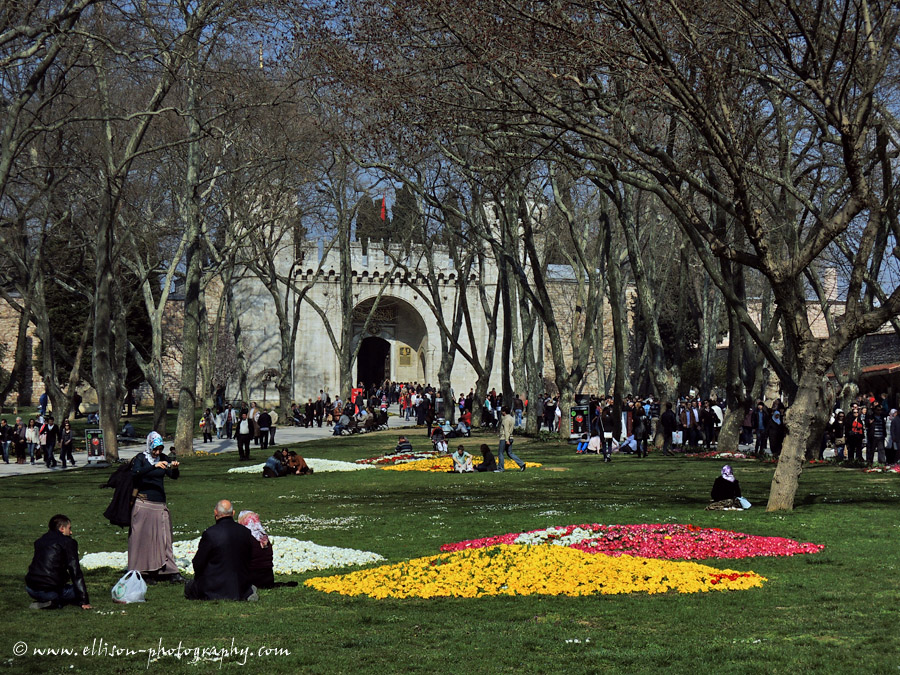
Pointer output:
x,y
150,541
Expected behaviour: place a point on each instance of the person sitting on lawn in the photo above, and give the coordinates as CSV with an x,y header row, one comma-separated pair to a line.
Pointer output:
x,y
726,491
55,562
344,422
582,446
128,431
488,461
276,466
368,422
403,445
297,465
222,563
597,445
462,427
462,461
439,440
262,566
465,421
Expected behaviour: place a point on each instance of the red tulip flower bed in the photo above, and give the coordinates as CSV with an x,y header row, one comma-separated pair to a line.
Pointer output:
x,y
687,542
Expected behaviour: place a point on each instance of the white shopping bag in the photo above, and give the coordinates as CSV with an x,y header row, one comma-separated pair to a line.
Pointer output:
x,y
677,437
130,588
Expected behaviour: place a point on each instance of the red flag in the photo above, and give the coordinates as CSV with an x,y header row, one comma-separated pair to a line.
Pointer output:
x,y
383,210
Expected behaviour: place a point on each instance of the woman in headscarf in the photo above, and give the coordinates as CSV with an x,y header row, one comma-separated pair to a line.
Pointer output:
x,y
262,574
726,491
150,539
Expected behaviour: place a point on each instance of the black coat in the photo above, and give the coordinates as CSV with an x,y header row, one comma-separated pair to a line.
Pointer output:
x,y
488,462
668,421
262,567
55,562
725,489
222,563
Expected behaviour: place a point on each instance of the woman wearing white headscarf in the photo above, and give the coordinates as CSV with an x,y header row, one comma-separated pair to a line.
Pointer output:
x,y
726,490
262,566
150,538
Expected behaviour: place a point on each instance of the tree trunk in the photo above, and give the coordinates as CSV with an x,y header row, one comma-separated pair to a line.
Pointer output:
x,y
241,353
206,357
508,327
104,370
802,419
160,409
75,372
285,367
850,388
616,302
710,302
187,393
565,402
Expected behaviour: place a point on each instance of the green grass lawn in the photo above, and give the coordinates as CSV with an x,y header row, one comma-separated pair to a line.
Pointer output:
x,y
835,611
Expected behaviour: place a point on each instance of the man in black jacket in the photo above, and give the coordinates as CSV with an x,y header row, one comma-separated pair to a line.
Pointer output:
x,y
320,411
264,422
668,422
55,562
221,566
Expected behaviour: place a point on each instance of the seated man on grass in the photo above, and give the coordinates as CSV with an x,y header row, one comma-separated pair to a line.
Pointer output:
x,y
462,461
128,431
342,423
368,422
403,445
276,466
222,563
55,562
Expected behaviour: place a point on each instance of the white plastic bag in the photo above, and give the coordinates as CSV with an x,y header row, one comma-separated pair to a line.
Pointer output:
x,y
677,437
130,588
744,502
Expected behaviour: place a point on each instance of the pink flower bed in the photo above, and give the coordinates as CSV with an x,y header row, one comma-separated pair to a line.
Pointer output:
x,y
687,542
891,468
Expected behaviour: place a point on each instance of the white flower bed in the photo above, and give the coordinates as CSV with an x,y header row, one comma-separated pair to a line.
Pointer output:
x,y
317,465
308,523
555,536
291,556
92,561
321,465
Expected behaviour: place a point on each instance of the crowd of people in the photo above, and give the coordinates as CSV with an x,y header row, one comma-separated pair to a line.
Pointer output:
x,y
37,440
869,431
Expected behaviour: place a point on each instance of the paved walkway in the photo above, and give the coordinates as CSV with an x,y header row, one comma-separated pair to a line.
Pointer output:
x,y
284,436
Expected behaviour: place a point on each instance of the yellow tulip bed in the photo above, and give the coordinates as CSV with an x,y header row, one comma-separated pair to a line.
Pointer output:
x,y
444,464
532,570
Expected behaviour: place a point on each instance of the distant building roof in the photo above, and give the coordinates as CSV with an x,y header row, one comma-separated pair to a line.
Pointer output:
x,y
560,273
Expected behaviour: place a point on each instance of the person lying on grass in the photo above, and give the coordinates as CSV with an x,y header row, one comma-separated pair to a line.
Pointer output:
x,y
462,461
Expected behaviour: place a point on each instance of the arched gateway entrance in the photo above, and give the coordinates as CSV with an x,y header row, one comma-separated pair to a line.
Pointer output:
x,y
395,344
373,364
